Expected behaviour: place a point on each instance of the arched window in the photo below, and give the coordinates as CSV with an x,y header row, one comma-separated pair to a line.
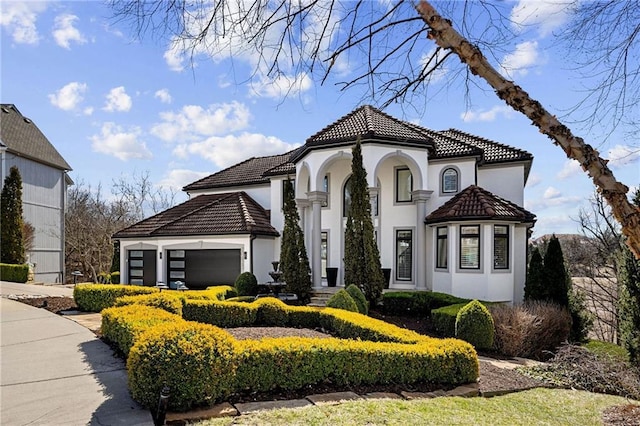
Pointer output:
x,y
346,197
449,180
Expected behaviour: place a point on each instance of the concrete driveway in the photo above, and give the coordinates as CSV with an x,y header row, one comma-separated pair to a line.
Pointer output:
x,y
53,371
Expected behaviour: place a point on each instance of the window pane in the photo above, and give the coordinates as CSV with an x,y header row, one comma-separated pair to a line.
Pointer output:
x,y
404,185
442,248
323,254
135,272
469,252
135,253
176,274
501,229
501,247
138,263
136,282
325,188
404,265
469,230
176,253
176,264
346,198
450,181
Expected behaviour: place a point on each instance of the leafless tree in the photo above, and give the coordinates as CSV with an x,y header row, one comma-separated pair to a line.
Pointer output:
x,y
140,196
385,45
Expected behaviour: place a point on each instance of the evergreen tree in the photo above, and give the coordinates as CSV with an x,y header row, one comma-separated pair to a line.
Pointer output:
x,y
556,278
11,242
362,258
534,286
115,259
294,262
629,299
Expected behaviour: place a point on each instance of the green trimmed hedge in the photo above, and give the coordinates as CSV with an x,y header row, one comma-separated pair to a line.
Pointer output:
x,y
444,319
222,314
418,303
343,300
14,273
170,302
96,297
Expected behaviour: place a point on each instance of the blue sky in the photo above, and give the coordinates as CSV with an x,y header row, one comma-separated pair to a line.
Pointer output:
x,y
115,106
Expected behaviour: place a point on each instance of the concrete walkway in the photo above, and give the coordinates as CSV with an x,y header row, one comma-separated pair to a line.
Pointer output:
x,y
54,371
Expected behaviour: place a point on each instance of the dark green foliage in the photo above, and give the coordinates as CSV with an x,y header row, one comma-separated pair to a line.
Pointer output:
x,y
294,262
272,312
534,287
358,296
222,314
474,324
557,281
417,303
14,273
342,300
246,284
629,304
444,319
362,258
12,245
115,259
581,318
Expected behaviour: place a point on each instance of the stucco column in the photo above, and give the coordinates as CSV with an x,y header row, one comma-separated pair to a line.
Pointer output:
x,y
316,198
420,198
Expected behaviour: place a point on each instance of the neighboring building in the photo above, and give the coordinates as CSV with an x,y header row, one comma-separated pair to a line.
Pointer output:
x,y
445,205
44,189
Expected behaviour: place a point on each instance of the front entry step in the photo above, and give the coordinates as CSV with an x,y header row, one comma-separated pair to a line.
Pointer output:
x,y
320,296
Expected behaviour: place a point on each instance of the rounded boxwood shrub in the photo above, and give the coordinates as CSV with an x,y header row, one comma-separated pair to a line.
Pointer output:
x,y
358,296
342,300
246,284
474,324
194,360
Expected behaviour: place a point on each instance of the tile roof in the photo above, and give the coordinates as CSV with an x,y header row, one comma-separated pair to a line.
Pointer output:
x,y
209,214
253,171
368,122
494,152
21,136
475,203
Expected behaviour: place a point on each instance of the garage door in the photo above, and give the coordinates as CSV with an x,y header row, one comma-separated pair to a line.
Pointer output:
x,y
203,268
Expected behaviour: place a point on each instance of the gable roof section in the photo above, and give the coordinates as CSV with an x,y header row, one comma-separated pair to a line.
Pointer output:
x,y
494,152
255,170
210,214
21,136
475,203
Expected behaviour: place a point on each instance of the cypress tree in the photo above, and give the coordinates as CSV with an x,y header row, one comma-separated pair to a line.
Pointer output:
x,y
556,278
361,258
534,285
629,299
294,262
11,242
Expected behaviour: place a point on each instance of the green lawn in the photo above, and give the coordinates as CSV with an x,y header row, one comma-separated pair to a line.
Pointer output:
x,y
533,407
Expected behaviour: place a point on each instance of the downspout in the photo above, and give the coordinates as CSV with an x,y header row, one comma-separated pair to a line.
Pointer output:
x,y
251,238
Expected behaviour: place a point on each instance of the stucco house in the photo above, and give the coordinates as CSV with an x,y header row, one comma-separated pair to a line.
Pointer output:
x,y
45,180
446,209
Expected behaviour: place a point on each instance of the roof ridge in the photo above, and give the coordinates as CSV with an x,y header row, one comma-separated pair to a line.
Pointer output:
x,y
191,212
245,211
486,140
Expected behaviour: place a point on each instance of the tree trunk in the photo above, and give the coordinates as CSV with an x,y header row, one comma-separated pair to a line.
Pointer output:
x,y
596,167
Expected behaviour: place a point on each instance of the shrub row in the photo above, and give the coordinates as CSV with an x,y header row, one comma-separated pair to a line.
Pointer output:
x,y
203,363
96,297
419,303
14,273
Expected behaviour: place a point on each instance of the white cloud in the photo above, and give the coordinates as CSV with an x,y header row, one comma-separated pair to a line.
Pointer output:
x,y
164,96
551,193
570,168
551,197
224,151
179,178
523,57
69,97
281,86
118,100
124,145
430,60
64,32
193,122
488,115
622,155
19,19
544,15
534,180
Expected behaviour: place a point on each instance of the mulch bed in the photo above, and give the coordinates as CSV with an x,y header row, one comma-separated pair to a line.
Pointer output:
x,y
493,380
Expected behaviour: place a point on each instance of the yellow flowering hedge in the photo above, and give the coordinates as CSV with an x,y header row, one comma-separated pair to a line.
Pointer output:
x,y
202,363
123,325
95,297
170,302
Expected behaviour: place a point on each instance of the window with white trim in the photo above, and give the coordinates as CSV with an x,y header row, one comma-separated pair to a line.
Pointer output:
x,y
325,188
442,247
404,185
449,180
346,198
470,247
404,256
323,253
501,247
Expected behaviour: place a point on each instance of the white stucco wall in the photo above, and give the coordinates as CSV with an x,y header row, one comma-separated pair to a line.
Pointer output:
x,y
263,255
466,175
260,193
506,181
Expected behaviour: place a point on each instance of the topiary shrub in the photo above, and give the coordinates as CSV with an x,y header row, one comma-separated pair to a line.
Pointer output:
x,y
14,273
221,314
170,302
272,312
358,296
342,300
96,297
474,324
194,360
444,319
246,284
